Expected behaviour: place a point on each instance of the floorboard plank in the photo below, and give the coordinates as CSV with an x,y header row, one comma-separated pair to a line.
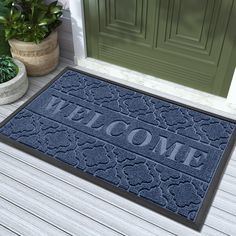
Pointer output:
x,y
44,226
75,199
52,211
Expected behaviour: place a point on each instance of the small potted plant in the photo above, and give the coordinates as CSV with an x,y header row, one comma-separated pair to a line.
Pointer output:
x,y
30,28
13,80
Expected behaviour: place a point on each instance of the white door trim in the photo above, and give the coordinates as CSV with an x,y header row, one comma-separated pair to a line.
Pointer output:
x,y
78,29
232,90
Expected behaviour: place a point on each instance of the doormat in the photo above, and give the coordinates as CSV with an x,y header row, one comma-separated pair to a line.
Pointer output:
x,y
155,152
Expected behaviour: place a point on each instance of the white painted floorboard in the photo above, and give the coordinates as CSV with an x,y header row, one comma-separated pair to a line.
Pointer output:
x,y
37,198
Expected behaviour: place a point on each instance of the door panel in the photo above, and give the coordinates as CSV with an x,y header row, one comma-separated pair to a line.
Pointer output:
x,y
190,42
129,25
198,39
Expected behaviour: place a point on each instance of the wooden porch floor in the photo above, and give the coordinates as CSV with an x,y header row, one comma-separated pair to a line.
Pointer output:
x,y
39,199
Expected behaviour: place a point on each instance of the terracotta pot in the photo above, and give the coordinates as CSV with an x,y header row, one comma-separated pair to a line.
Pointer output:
x,y
15,88
39,59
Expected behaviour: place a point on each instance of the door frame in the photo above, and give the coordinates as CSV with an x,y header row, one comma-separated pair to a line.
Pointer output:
x,y
80,46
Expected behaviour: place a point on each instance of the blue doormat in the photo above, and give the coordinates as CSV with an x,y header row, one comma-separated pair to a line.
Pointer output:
x,y
165,156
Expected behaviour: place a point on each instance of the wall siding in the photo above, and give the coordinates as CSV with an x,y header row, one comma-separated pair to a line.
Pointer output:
x,y
65,37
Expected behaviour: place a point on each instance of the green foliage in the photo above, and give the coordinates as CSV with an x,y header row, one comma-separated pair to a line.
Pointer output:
x,y
30,20
8,69
4,47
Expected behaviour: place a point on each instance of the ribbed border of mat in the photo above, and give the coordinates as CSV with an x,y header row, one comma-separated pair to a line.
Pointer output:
x,y
213,186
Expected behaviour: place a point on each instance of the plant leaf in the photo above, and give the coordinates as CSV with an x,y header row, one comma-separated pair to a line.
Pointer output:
x,y
3,20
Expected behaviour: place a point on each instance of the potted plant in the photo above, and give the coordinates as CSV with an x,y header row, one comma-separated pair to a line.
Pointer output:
x,y
30,28
13,80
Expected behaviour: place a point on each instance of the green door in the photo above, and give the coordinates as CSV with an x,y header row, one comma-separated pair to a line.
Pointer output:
x,y
190,42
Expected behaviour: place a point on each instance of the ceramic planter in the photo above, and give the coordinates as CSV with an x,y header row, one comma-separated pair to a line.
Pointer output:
x,y
15,88
39,59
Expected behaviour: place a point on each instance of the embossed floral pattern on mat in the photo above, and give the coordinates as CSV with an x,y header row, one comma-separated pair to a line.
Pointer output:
x,y
161,152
